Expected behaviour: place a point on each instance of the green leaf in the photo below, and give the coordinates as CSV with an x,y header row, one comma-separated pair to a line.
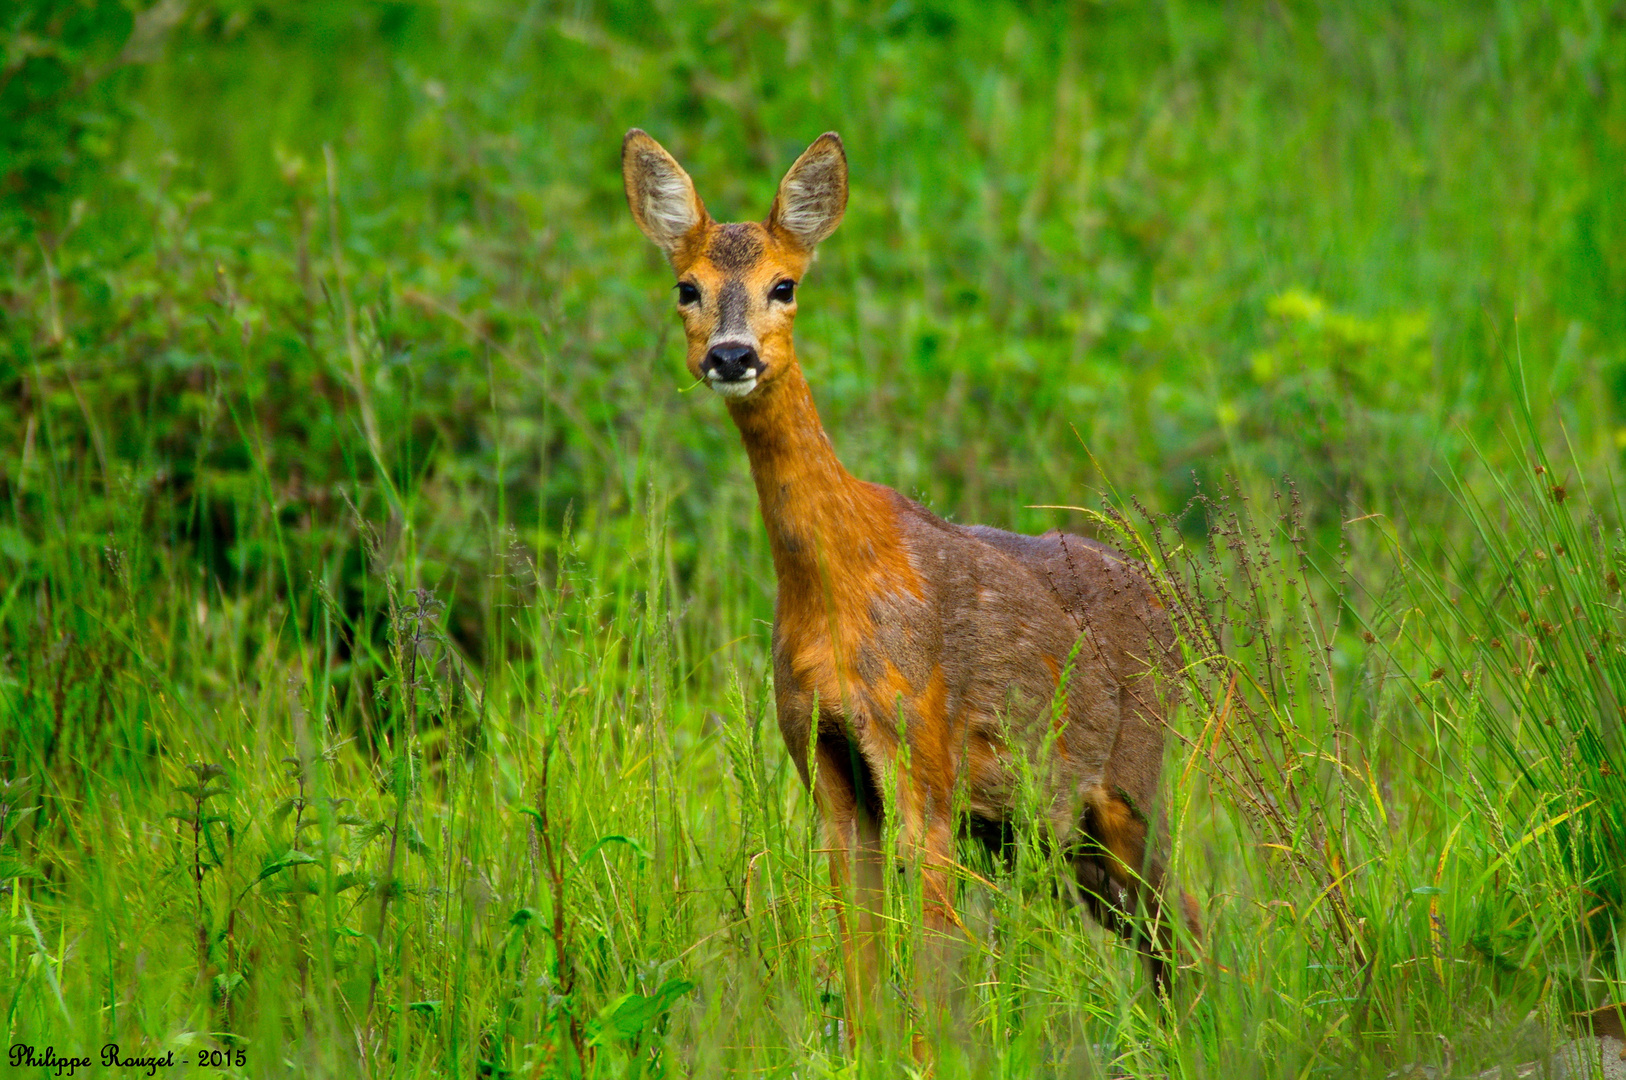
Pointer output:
x,y
201,791
630,1014
414,840
276,866
12,865
614,838
226,984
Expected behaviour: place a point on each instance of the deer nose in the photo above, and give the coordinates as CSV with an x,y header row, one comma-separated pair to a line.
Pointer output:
x,y
730,362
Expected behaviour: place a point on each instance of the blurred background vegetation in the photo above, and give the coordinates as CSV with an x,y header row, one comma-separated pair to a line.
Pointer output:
x,y
307,304
1270,238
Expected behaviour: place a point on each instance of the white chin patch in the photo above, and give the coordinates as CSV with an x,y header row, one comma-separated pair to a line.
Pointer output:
x,y
736,389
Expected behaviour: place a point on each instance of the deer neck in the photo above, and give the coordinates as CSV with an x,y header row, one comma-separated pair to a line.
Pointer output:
x,y
825,527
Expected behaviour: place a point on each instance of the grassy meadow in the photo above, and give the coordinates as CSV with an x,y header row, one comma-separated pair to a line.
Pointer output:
x,y
384,621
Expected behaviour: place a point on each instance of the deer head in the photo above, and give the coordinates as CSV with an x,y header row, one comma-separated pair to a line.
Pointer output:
x,y
736,288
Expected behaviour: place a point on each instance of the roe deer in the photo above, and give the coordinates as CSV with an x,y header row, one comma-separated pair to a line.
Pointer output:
x,y
931,652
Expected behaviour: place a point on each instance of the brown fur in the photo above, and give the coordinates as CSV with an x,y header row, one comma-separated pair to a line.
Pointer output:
x,y
908,633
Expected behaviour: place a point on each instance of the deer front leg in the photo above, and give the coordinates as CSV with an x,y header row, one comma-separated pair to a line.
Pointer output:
x,y
926,841
852,833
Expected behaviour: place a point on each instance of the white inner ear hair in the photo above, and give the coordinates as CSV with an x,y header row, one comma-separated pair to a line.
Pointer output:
x,y
668,200
812,200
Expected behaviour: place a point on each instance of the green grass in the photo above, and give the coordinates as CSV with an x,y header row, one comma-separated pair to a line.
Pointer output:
x,y
384,633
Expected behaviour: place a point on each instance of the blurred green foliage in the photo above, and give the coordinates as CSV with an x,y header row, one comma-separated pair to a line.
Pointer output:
x,y
59,100
1065,218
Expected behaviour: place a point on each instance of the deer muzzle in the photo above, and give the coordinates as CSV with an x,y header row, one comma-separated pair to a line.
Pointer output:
x,y
731,368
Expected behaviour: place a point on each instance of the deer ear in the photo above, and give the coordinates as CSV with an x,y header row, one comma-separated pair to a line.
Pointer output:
x,y
660,193
813,195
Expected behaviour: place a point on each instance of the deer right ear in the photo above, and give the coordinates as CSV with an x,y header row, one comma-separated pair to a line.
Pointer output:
x,y
660,193
813,195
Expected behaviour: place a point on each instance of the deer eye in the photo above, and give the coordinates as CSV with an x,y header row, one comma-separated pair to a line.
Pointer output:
x,y
784,292
688,293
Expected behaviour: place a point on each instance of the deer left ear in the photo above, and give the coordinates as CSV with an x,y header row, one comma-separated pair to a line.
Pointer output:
x,y
813,195
660,193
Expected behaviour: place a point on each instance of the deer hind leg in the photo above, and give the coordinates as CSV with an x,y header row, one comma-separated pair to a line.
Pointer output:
x,y
851,811
1125,886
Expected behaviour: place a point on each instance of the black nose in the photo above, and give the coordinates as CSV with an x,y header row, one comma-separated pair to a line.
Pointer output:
x,y
730,362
